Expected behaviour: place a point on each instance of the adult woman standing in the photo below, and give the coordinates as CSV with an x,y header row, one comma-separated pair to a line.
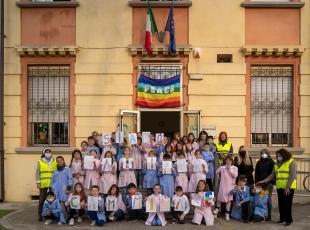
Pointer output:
x,y
44,173
223,147
203,138
263,169
245,167
285,174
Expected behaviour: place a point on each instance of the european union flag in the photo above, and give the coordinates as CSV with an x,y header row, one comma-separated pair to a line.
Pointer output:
x,y
170,28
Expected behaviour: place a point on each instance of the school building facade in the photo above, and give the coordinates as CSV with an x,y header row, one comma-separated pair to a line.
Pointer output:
x,y
72,67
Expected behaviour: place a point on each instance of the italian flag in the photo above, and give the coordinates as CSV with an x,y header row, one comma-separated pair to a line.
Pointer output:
x,y
151,27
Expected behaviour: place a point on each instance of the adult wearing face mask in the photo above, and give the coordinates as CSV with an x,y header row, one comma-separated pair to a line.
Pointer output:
x,y
245,167
263,169
285,174
44,173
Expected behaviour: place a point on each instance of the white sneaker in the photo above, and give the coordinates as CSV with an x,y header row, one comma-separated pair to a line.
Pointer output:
x,y
59,223
216,211
48,222
71,222
79,220
227,216
93,223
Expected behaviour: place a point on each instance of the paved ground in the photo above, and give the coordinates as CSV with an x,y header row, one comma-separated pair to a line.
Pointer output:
x,y
25,218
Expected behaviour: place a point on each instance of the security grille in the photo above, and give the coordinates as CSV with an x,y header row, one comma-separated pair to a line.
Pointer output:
x,y
272,105
48,104
160,71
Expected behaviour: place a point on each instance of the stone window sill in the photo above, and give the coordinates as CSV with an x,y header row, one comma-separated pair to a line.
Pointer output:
x,y
62,4
293,150
38,150
250,4
176,4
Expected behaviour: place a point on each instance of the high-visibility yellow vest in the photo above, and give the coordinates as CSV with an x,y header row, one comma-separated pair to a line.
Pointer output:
x,y
224,149
282,175
46,173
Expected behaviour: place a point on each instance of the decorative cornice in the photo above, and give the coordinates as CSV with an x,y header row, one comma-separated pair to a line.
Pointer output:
x,y
62,4
47,50
276,51
275,4
177,3
159,49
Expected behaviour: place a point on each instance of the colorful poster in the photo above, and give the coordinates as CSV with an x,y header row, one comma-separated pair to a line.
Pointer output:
x,y
167,167
150,204
106,164
158,92
89,162
179,204
132,138
146,137
164,204
159,138
136,201
182,165
92,203
119,137
75,202
208,199
151,163
196,200
111,204
106,139
128,163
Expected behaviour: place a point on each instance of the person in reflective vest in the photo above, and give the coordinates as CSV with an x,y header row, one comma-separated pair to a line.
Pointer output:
x,y
44,173
223,147
285,174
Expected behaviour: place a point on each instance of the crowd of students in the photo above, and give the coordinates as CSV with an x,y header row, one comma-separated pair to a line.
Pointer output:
x,y
121,171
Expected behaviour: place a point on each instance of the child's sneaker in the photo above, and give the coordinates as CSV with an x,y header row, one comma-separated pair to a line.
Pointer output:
x,y
59,223
216,211
79,220
71,222
48,222
227,216
93,223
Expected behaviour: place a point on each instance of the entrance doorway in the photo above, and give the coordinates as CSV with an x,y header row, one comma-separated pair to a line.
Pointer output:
x,y
160,122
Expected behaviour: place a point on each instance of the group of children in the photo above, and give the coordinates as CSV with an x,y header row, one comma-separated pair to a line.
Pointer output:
x,y
102,181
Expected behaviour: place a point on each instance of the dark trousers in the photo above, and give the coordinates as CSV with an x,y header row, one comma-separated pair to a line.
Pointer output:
x,y
176,215
285,205
135,214
210,184
42,198
245,211
149,191
76,213
119,215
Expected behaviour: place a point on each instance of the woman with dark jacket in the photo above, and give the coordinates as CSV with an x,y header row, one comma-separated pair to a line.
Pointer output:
x,y
263,169
245,167
284,172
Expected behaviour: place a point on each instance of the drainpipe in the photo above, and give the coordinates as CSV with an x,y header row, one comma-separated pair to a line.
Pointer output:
x,y
1,100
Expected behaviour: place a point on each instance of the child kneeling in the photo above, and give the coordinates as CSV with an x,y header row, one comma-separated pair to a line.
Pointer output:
x,y
180,206
98,217
52,210
118,204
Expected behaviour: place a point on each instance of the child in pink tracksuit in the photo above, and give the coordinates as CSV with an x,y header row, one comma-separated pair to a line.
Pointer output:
x,y
198,169
108,173
205,210
181,178
92,176
76,165
127,174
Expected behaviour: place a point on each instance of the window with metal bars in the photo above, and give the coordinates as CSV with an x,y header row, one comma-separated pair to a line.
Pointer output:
x,y
48,104
164,71
272,105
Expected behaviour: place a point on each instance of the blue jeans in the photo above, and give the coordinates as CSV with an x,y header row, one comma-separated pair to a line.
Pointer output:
x,y
93,216
53,216
119,215
156,221
269,202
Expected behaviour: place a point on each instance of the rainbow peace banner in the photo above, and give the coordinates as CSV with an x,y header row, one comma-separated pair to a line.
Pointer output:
x,y
158,92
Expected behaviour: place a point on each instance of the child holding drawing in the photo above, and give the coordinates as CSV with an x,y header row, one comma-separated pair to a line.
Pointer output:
x,y
115,207
166,179
180,206
95,207
198,169
150,172
91,167
134,204
76,166
180,169
138,152
108,169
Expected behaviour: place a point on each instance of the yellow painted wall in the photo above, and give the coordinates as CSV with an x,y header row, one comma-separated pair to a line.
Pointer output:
x,y
221,93
305,79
